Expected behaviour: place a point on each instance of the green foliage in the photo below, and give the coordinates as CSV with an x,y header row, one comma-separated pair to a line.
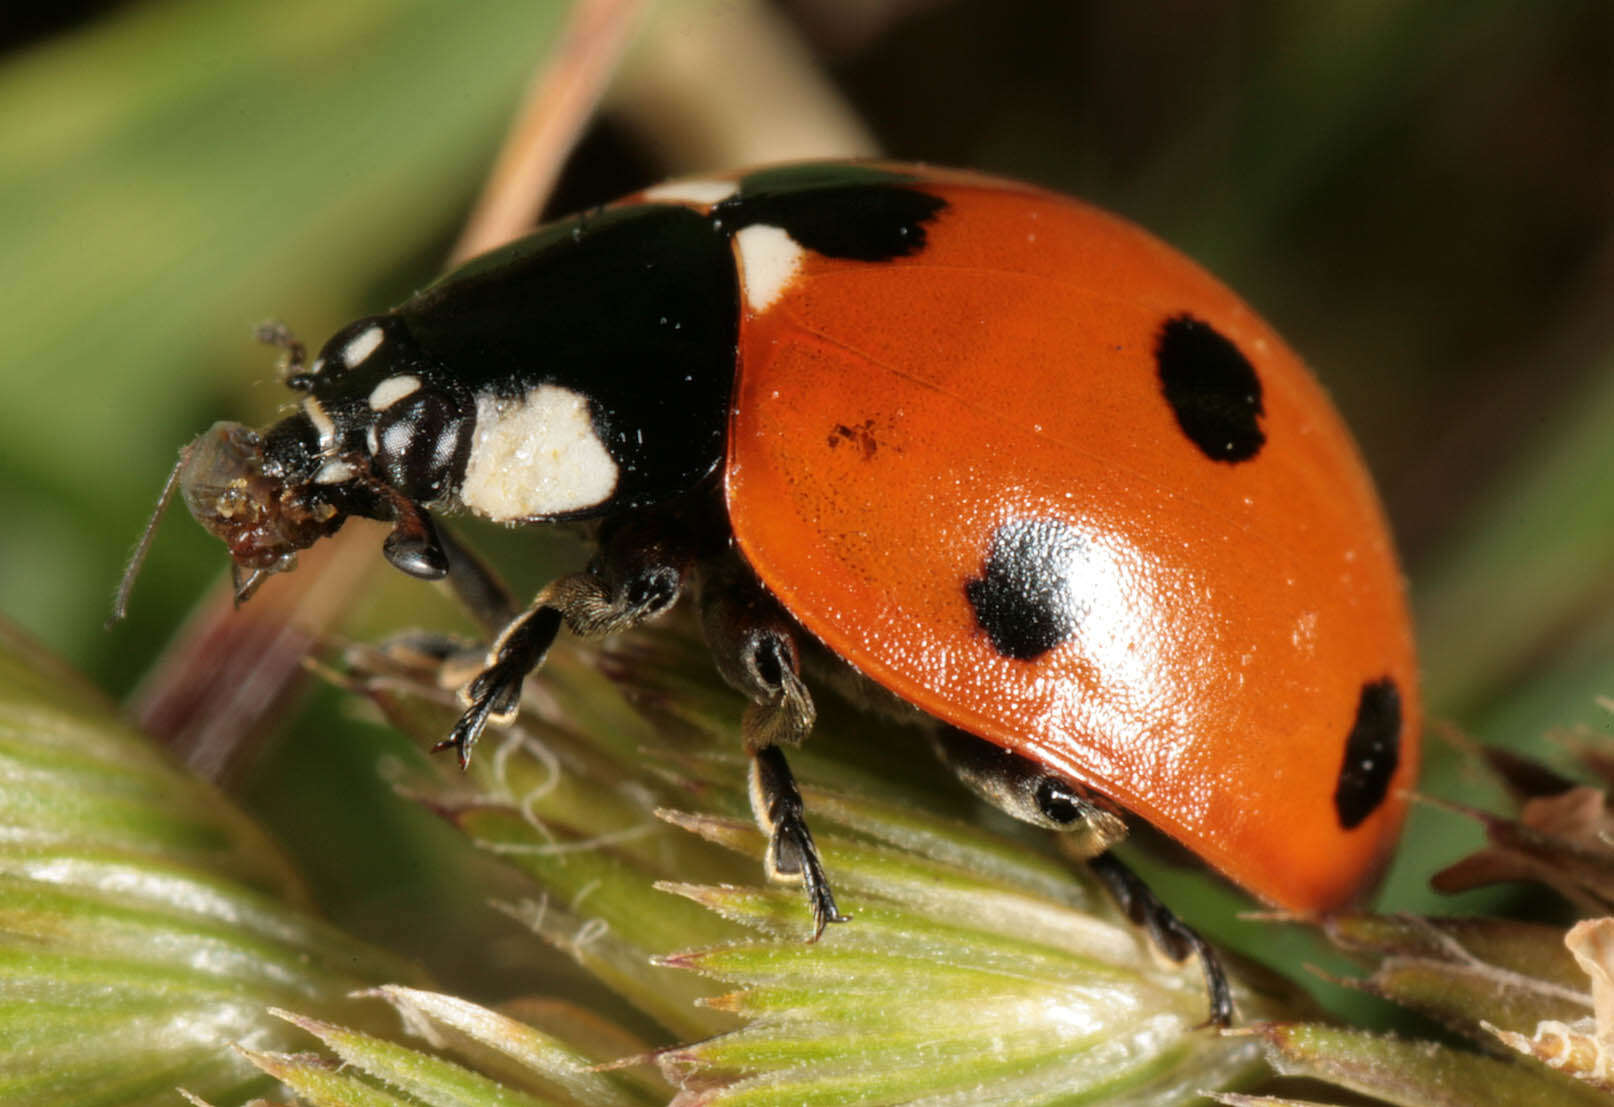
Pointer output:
x,y
146,926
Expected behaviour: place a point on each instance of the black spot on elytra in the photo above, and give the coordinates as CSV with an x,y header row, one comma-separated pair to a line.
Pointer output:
x,y
1212,388
852,212
1024,599
1372,752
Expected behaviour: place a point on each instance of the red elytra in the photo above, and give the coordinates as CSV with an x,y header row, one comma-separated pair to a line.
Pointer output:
x,y
1236,661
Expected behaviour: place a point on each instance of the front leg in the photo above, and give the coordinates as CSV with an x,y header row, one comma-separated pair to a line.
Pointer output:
x,y
494,695
638,574
754,647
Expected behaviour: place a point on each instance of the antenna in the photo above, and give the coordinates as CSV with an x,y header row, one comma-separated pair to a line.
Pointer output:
x,y
120,602
293,355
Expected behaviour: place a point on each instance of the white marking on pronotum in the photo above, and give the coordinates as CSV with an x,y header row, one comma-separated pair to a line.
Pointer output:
x,y
693,191
393,389
361,346
769,260
335,471
324,426
536,455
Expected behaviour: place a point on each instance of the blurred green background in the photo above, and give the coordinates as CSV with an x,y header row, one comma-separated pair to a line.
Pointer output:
x,y
1419,194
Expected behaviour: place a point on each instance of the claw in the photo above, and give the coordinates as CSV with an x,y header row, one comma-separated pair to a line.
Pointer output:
x,y
465,733
793,857
495,695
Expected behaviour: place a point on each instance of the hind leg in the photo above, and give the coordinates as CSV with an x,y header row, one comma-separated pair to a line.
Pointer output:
x,y
1170,934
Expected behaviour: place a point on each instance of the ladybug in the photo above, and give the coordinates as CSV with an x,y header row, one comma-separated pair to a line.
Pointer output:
x,y
1029,473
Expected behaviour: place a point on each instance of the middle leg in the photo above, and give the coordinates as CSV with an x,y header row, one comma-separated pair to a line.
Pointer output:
x,y
754,646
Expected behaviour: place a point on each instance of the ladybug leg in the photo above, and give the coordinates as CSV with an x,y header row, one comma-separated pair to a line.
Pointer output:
x,y
414,546
494,694
637,574
1020,787
754,646
792,856
1169,933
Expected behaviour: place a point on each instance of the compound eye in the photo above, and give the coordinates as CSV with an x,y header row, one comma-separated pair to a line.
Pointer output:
x,y
1059,803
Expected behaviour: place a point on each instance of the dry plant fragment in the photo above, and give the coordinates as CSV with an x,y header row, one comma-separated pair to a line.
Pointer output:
x,y
1585,1048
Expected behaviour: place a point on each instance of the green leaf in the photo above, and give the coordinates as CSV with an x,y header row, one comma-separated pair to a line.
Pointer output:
x,y
145,924
420,1077
522,1054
